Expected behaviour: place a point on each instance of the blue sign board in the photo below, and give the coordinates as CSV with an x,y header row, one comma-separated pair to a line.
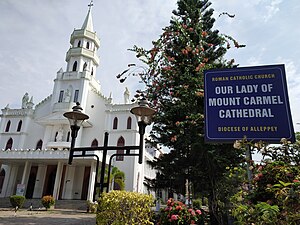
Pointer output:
x,y
249,102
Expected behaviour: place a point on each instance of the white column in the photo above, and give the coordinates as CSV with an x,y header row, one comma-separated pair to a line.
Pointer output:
x,y
26,172
39,182
92,181
68,187
10,182
57,182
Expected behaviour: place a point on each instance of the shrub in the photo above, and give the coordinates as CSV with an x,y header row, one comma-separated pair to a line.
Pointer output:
x,y
274,198
92,206
260,214
197,203
121,207
48,201
178,213
16,200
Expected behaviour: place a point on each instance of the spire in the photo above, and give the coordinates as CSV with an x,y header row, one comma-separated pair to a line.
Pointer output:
x,y
88,22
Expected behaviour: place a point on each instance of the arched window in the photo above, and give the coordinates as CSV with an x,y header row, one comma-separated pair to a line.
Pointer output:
x,y
79,43
115,124
94,143
7,126
19,126
129,120
76,95
55,138
9,144
68,136
39,144
88,45
74,66
61,96
121,142
84,66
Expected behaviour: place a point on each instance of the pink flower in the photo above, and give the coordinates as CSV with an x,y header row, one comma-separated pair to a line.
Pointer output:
x,y
204,33
178,207
184,51
171,58
198,211
192,212
260,168
173,139
201,65
166,68
174,217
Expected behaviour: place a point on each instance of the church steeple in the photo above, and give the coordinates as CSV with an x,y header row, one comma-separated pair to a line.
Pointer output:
x,y
88,22
82,55
82,59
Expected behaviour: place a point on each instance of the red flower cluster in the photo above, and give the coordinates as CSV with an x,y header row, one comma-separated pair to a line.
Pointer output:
x,y
178,213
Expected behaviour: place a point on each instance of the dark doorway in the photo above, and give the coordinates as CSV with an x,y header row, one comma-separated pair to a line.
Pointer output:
x,y
31,182
2,176
61,188
50,180
86,181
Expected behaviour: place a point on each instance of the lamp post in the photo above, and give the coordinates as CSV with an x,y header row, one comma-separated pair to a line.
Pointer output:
x,y
144,116
76,118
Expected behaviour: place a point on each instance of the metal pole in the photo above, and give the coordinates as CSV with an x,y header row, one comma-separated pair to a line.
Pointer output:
x,y
95,185
249,172
108,175
142,127
74,132
103,163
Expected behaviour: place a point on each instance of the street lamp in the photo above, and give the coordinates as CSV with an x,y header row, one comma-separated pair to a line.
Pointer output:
x,y
76,118
144,116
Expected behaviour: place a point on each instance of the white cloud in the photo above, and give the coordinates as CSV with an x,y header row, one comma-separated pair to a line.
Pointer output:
x,y
35,38
271,9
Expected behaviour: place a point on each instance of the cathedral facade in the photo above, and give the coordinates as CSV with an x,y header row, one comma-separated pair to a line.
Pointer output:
x,y
35,139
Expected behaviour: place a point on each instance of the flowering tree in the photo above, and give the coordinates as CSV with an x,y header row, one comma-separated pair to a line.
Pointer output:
x,y
173,78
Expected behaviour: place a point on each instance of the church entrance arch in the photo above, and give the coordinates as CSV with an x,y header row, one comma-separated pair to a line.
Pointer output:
x,y
2,176
85,183
31,182
49,180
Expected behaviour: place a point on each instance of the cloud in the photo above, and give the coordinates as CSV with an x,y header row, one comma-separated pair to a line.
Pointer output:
x,y
271,9
35,38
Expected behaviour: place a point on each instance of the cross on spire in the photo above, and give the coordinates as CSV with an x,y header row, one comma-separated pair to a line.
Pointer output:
x,y
90,5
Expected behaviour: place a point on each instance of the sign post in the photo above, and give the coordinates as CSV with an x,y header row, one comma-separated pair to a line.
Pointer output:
x,y
247,102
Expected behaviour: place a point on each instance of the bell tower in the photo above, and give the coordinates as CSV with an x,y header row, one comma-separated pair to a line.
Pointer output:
x,y
84,45
73,85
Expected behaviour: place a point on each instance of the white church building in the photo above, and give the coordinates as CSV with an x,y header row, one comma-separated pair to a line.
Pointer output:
x,y
35,139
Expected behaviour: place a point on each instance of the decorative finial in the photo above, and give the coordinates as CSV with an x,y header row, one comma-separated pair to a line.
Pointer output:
x,y
90,5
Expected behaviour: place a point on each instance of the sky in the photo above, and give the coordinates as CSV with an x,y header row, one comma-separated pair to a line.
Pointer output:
x,y
34,39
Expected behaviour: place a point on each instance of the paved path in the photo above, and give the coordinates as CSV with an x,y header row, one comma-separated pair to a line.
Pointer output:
x,y
52,217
